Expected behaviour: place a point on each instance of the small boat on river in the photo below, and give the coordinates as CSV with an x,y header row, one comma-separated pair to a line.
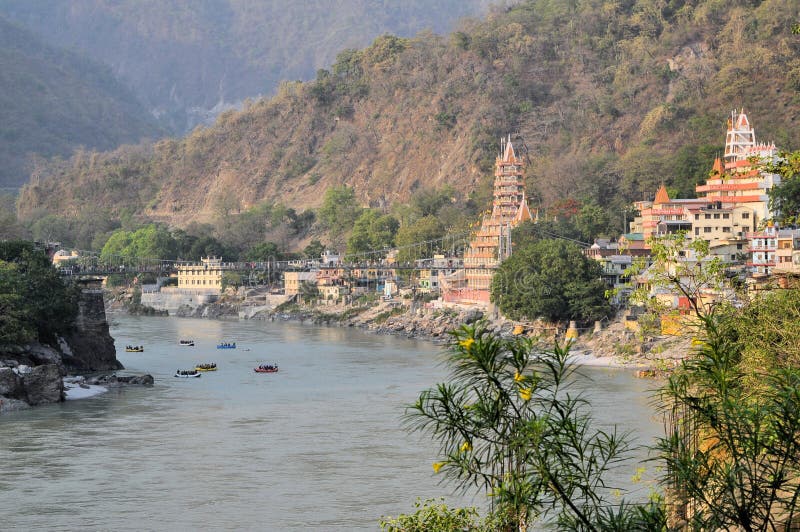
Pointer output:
x,y
187,373
134,349
209,366
266,368
187,343
226,345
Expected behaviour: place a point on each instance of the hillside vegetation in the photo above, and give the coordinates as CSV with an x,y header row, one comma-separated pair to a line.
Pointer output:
x,y
52,101
606,99
187,60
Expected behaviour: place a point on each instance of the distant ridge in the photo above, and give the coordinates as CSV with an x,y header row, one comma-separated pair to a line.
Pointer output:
x,y
52,101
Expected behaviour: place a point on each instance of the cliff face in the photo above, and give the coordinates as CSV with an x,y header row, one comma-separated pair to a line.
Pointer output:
x,y
32,374
90,347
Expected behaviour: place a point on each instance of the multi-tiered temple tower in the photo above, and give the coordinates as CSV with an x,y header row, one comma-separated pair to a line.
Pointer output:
x,y
492,242
739,181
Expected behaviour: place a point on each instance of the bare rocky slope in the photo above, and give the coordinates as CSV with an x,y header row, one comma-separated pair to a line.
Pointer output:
x,y
606,100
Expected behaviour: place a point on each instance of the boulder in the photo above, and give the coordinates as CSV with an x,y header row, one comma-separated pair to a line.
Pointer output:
x,y
10,383
43,385
43,355
472,316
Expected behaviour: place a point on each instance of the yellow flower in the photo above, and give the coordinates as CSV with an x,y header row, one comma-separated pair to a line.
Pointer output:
x,y
437,466
466,447
467,344
518,377
525,394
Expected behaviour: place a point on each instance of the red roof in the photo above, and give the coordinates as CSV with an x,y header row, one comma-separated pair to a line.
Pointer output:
x,y
662,196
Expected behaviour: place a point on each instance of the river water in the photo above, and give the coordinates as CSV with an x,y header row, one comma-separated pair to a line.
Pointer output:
x,y
317,446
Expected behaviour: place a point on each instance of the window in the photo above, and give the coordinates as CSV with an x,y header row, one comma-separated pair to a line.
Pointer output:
x,y
696,230
716,216
738,246
706,229
696,216
708,216
726,229
745,215
725,216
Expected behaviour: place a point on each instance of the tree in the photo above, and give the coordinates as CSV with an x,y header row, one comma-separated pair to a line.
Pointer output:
x,y
314,249
732,448
420,239
339,211
38,304
152,241
550,279
263,252
506,423
784,199
431,516
732,451
372,232
15,322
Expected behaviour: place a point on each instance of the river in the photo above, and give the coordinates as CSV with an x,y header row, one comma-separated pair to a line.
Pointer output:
x,y
317,446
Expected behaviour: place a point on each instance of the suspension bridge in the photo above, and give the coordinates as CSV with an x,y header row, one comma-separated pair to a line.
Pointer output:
x,y
422,254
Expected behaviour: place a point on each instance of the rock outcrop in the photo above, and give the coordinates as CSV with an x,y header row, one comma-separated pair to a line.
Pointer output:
x,y
32,374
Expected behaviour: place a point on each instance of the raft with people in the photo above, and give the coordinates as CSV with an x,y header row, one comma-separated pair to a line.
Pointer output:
x,y
266,368
187,373
134,348
209,366
226,345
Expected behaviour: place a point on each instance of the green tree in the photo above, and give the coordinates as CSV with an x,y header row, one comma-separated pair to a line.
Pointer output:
x,y
785,198
550,279
314,249
264,252
420,239
152,241
372,232
33,291
339,211
432,516
732,451
15,320
506,423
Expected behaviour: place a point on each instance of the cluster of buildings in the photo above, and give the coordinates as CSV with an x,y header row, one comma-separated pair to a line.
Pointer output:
x,y
731,213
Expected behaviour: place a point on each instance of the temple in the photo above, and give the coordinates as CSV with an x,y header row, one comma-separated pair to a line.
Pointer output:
x,y
738,182
491,244
730,205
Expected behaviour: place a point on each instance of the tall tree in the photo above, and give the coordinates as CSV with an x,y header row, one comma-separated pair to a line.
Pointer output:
x,y
551,279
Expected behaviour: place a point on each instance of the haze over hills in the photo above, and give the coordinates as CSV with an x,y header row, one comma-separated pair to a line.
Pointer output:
x,y
52,101
186,61
607,101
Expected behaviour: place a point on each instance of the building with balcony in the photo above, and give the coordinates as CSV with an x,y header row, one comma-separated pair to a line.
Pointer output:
x,y
202,277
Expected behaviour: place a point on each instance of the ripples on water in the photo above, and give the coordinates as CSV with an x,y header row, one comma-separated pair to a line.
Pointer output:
x,y
317,446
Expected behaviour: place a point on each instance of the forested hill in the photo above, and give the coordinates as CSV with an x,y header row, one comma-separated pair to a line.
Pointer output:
x,y
52,101
186,60
607,99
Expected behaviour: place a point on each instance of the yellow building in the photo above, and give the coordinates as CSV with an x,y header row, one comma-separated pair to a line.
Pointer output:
x,y
203,277
293,280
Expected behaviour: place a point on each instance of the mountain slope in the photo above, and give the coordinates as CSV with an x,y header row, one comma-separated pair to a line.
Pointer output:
x,y
607,100
52,101
187,60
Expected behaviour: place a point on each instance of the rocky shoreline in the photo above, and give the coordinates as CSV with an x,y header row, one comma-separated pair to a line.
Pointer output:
x,y
33,374
613,345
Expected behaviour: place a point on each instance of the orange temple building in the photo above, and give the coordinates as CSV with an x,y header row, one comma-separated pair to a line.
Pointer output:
x,y
491,244
738,181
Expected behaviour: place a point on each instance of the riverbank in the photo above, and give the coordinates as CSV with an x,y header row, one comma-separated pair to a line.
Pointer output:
x,y
612,346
